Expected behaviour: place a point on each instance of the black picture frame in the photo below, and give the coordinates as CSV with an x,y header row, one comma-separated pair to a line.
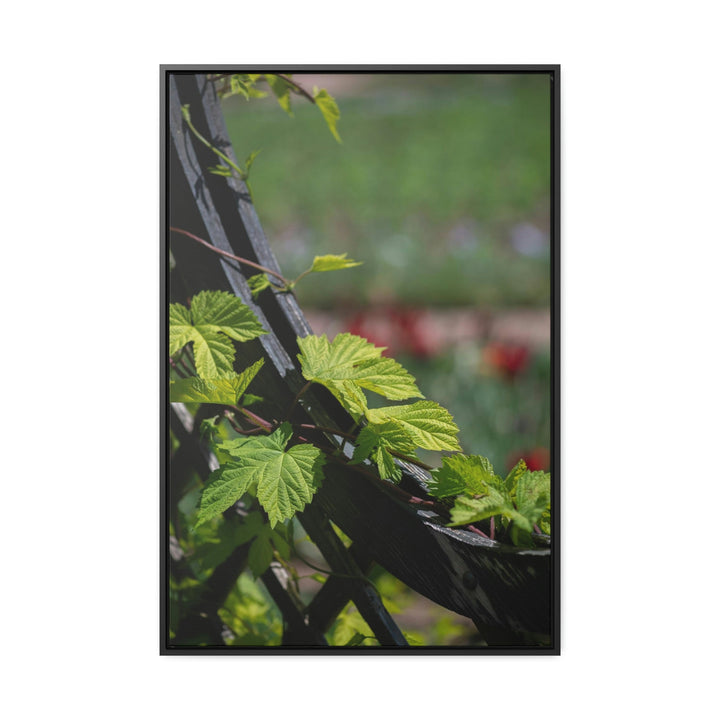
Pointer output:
x,y
167,647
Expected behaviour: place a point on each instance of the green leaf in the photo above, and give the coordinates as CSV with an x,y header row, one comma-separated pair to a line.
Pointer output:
x,y
470,474
224,390
468,509
239,87
329,109
214,318
249,160
532,495
222,170
258,283
285,480
376,442
208,428
514,474
325,263
350,363
281,90
225,487
429,425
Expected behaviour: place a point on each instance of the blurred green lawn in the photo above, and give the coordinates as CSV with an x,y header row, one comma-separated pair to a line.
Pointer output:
x,y
441,187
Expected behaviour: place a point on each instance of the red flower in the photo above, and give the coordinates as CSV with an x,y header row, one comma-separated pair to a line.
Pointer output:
x,y
506,359
400,330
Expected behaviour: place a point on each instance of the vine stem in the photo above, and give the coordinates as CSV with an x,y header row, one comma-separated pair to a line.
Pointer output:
x,y
233,424
207,143
299,88
321,428
242,260
472,528
255,419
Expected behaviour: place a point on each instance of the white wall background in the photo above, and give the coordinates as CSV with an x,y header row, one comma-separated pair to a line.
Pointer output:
x,y
80,306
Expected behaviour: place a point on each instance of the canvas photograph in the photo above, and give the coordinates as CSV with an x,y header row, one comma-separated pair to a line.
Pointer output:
x,y
360,360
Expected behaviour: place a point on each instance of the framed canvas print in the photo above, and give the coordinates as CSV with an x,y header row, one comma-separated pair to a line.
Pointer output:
x,y
360,360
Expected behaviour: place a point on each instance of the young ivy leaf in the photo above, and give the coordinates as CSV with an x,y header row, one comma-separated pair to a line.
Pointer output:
x,y
258,283
469,474
281,90
284,481
472,509
325,263
329,109
377,442
223,390
514,474
532,495
522,499
350,363
222,170
214,318
426,423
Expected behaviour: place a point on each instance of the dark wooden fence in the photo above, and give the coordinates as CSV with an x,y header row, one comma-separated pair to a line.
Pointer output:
x,y
506,591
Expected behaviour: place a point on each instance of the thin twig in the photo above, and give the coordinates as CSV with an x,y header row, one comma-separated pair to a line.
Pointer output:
x,y
472,528
230,255
299,88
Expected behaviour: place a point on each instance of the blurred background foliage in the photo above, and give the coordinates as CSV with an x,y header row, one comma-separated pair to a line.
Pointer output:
x,y
441,187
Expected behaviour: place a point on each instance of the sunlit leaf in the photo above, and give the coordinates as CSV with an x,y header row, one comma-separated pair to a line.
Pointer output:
x,y
325,263
350,363
226,390
329,109
285,481
214,318
428,424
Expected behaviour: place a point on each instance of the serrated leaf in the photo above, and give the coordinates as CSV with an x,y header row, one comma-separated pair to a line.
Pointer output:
x,y
220,311
225,487
532,495
329,109
258,283
470,474
468,509
377,442
238,87
285,480
428,424
514,474
325,263
281,90
350,363
214,318
226,390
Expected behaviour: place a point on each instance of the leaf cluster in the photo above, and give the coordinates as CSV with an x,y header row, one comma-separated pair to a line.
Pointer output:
x,y
349,366
283,87
521,500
